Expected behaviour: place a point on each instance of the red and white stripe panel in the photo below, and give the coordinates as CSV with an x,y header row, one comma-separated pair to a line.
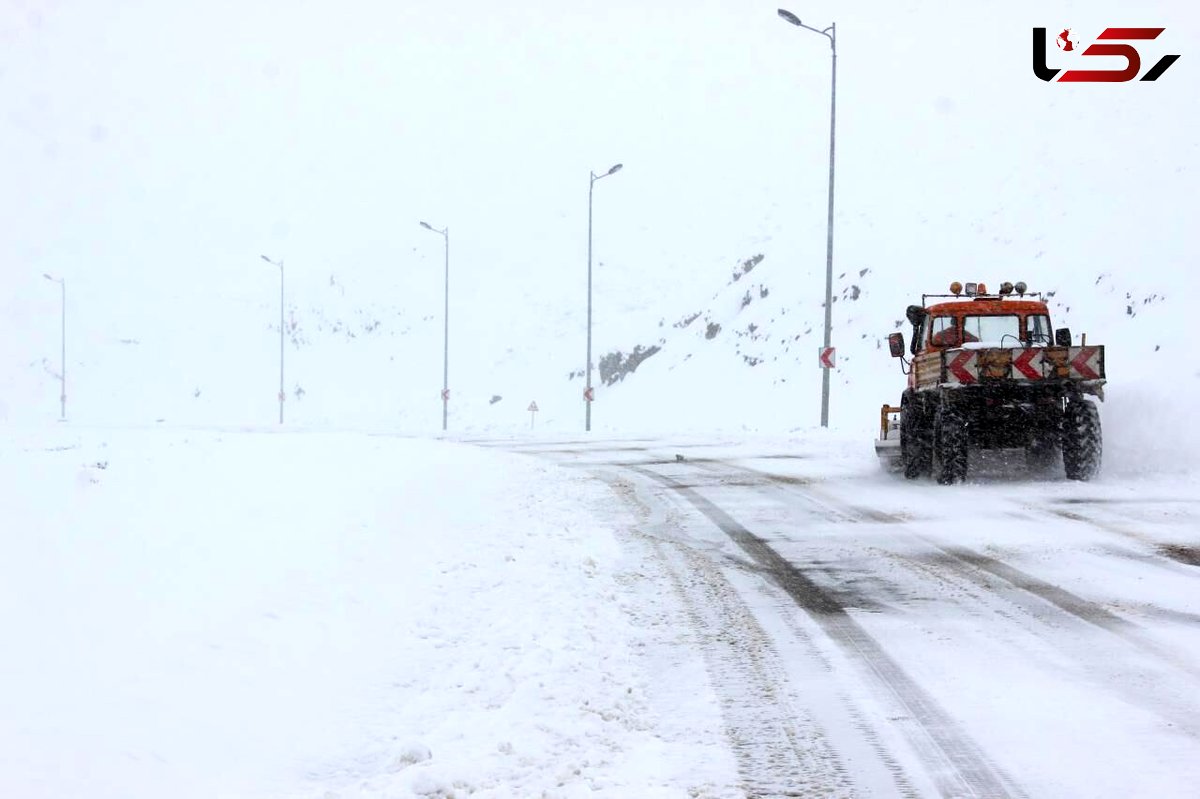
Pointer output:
x,y
1082,363
1087,362
961,367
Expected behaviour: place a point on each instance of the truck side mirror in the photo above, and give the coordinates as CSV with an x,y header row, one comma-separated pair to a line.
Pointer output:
x,y
1062,337
916,316
896,344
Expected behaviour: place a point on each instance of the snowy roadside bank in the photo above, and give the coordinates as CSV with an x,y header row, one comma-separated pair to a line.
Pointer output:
x,y
250,614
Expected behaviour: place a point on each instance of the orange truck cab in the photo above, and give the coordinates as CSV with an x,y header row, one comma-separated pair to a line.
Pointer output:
x,y
987,322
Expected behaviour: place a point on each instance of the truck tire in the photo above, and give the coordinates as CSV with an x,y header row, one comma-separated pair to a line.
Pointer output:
x,y
916,440
951,444
1082,443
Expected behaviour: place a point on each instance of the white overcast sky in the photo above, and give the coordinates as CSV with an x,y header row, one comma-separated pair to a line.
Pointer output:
x,y
153,150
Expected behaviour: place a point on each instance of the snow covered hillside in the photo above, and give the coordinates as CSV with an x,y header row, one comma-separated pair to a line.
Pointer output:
x,y
158,226
737,352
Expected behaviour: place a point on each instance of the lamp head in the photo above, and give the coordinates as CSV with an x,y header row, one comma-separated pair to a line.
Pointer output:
x,y
789,16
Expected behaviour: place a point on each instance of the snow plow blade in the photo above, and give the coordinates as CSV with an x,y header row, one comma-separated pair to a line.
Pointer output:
x,y
887,446
889,454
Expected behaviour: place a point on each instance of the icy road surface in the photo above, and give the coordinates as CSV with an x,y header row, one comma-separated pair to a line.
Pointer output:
x,y
344,616
867,636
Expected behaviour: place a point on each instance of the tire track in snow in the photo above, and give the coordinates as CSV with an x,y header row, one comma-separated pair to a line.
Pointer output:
x,y
1082,609
969,565
1179,559
857,720
979,584
957,765
781,751
957,556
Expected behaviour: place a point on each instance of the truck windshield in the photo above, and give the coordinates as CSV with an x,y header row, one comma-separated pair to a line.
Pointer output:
x,y
999,331
942,331
1039,331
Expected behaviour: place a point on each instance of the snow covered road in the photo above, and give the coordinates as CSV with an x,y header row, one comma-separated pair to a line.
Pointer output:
x,y
240,613
872,637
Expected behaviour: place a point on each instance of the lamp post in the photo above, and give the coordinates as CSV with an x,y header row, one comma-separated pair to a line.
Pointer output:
x,y
587,394
279,263
62,379
445,233
829,33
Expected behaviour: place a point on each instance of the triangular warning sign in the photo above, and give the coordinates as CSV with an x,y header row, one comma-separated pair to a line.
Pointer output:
x,y
532,406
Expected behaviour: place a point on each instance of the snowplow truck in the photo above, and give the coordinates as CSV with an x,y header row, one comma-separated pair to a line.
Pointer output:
x,y
988,372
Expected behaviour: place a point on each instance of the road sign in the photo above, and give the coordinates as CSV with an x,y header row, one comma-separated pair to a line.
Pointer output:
x,y
445,395
589,394
827,356
532,407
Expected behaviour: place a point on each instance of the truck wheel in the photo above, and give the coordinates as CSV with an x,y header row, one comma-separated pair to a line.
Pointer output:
x,y
951,445
1082,443
916,444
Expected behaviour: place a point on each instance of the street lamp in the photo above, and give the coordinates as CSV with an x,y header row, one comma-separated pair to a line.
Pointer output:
x,y
62,379
587,394
279,263
446,327
829,33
